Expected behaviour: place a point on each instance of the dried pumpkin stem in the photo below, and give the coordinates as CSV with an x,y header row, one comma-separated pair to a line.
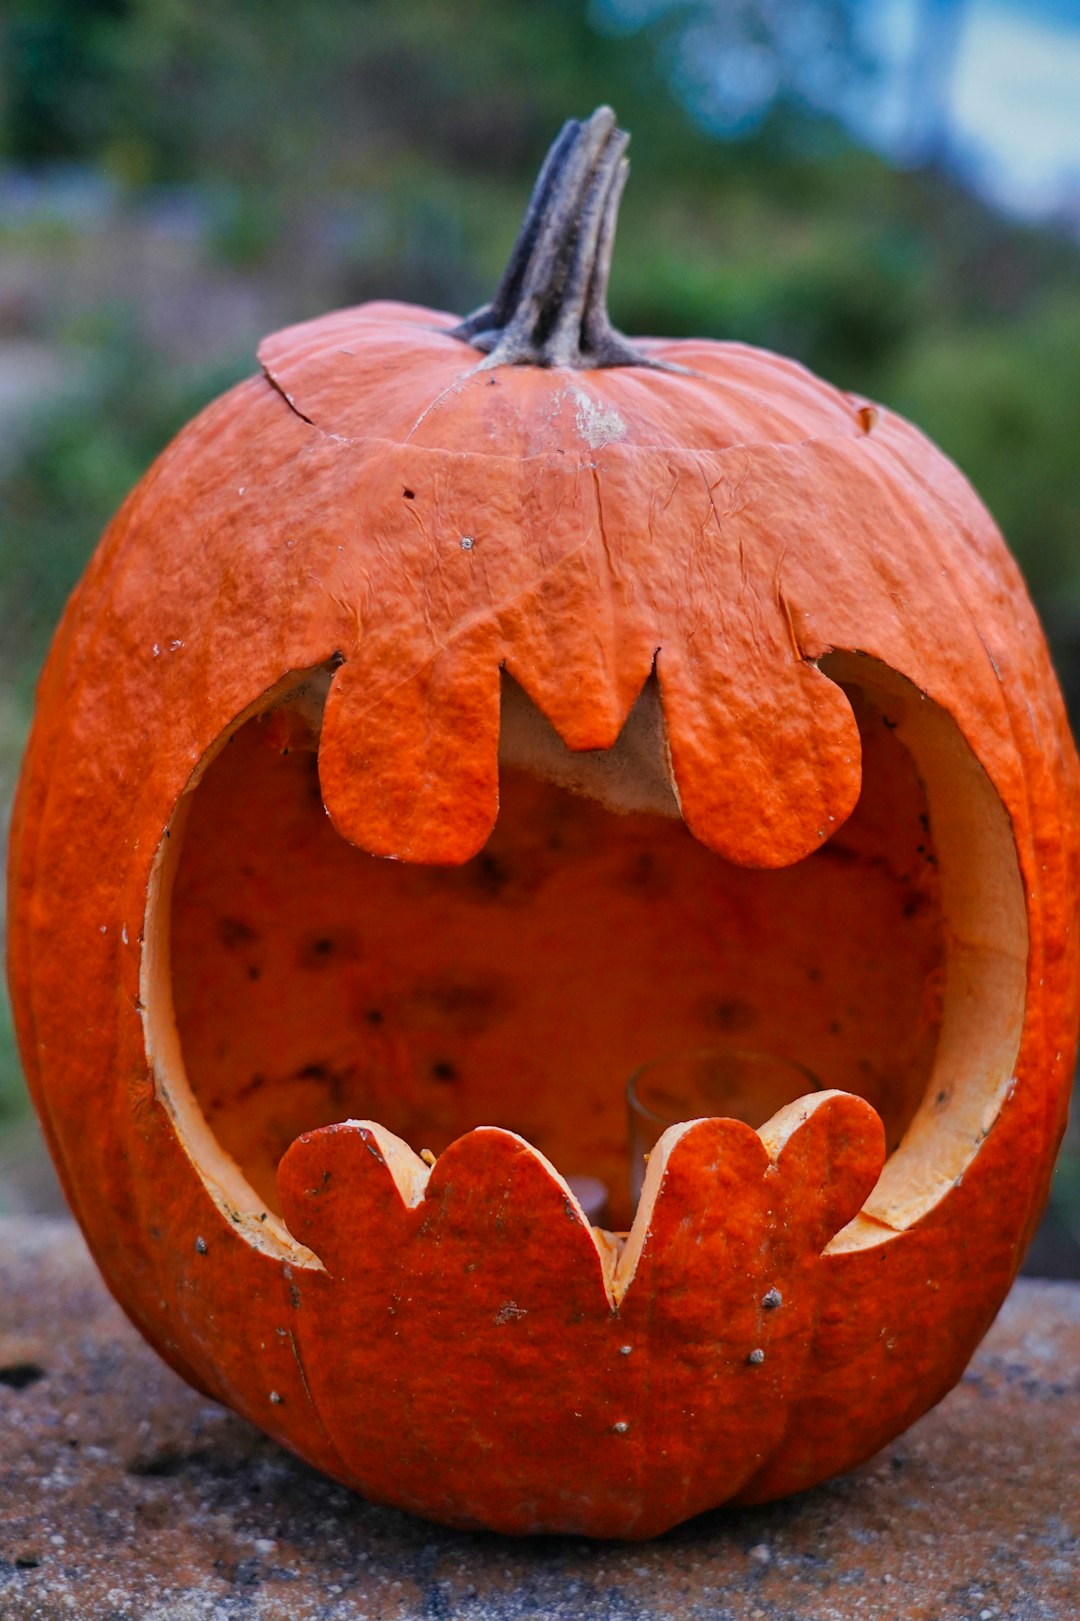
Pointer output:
x,y
551,306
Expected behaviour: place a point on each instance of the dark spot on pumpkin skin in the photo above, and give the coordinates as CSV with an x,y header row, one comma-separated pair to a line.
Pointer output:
x,y
891,724
323,949
21,1375
335,1082
410,495
914,904
456,1007
735,1015
254,973
443,1070
645,877
842,854
256,1083
490,876
294,1295
814,975
233,932
374,1015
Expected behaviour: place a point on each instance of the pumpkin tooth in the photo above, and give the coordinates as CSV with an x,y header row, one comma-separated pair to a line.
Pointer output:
x,y
723,1159
346,1184
414,777
325,1174
708,1186
830,1149
789,747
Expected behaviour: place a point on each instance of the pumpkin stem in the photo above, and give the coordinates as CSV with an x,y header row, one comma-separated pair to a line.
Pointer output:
x,y
551,306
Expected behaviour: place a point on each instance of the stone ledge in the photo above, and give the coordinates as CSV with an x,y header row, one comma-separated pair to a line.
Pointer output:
x,y
125,1496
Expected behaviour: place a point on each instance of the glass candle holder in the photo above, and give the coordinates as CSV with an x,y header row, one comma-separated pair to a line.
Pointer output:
x,y
708,1082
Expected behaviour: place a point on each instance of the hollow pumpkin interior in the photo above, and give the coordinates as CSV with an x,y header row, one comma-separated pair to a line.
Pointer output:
x,y
312,983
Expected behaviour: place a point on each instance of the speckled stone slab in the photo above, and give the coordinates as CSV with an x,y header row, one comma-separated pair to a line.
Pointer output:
x,y
125,1496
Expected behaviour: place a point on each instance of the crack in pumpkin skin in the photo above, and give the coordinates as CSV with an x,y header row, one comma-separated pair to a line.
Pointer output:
x,y
488,1274
261,545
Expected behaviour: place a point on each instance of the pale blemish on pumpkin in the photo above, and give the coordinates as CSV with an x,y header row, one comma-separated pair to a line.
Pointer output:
x,y
597,424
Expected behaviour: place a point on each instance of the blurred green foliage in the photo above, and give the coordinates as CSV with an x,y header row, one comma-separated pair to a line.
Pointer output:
x,y
342,149
77,462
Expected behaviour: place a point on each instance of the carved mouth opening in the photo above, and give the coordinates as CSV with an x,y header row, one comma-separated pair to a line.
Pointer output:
x,y
293,981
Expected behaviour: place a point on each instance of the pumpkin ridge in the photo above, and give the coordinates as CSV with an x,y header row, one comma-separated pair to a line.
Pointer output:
x,y
118,555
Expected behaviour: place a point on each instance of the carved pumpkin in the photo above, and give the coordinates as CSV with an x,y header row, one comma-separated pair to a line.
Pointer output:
x,y
689,696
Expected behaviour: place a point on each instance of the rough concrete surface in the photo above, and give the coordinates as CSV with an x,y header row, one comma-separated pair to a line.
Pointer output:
x,y
125,1496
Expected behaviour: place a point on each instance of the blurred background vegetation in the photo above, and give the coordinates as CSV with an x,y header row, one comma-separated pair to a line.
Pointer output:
x,y
178,178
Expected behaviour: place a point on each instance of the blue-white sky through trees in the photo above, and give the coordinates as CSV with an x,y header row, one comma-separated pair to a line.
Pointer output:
x,y
1011,97
989,88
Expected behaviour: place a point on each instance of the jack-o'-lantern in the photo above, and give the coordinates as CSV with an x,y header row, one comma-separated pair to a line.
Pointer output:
x,y
457,715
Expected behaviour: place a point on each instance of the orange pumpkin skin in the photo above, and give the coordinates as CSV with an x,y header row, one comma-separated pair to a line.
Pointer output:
x,y
464,1346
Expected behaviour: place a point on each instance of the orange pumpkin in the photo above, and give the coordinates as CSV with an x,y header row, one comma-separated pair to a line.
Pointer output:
x,y
688,696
